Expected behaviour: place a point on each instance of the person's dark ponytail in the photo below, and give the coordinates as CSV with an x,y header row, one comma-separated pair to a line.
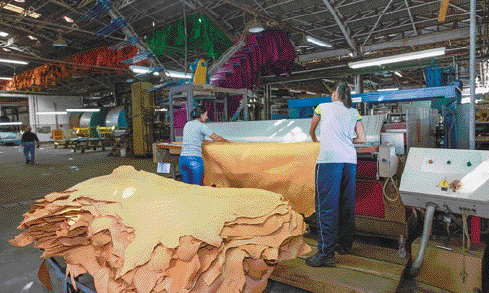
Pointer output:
x,y
344,93
197,112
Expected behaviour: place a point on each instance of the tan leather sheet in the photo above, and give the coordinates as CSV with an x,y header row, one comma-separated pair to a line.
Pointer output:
x,y
135,231
284,168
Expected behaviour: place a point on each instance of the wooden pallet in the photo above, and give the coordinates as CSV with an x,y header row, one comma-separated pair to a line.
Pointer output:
x,y
368,269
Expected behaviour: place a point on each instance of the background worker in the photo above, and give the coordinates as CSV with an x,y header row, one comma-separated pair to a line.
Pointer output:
x,y
28,142
335,175
194,132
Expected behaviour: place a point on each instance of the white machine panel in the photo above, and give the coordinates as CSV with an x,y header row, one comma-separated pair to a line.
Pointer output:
x,y
429,173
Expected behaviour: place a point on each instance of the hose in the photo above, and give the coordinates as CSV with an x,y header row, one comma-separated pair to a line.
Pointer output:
x,y
428,222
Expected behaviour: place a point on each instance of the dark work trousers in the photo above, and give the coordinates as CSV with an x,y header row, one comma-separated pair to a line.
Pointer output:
x,y
29,149
335,205
192,169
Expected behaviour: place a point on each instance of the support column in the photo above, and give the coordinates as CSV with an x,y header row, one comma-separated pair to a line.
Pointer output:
x,y
172,126
142,122
472,75
226,114
359,83
245,109
266,105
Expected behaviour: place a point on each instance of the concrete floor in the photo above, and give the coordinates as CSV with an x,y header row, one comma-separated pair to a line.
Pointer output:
x,y
57,170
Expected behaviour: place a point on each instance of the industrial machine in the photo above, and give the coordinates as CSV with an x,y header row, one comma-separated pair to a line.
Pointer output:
x,y
92,129
452,182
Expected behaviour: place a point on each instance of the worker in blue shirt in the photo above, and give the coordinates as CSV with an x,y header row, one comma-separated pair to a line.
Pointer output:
x,y
194,132
28,143
335,174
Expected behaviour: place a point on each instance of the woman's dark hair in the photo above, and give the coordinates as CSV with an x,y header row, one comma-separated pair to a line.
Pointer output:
x,y
344,93
197,112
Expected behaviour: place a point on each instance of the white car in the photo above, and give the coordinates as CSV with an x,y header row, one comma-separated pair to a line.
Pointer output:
x,y
9,138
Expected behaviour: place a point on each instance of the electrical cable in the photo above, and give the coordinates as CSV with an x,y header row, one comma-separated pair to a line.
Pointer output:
x,y
465,233
395,186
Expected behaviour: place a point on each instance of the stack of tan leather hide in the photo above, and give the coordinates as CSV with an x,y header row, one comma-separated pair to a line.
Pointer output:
x,y
134,231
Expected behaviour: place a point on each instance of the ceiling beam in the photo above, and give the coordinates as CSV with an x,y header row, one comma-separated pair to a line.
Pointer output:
x,y
377,22
410,42
6,16
411,16
343,27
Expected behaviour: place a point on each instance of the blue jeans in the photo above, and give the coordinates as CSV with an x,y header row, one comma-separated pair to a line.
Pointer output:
x,y
192,169
335,205
29,148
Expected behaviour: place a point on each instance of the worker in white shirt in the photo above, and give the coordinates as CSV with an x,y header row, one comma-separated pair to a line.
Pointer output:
x,y
335,175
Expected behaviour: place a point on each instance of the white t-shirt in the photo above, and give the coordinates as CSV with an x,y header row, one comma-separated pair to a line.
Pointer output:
x,y
337,132
194,133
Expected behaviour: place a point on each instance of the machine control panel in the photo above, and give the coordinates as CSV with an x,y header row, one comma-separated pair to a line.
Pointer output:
x,y
457,180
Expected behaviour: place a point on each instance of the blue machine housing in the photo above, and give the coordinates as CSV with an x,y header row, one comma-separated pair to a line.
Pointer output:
x,y
443,98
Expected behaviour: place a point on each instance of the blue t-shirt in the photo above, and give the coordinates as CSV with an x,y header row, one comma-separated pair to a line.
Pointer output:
x,y
194,133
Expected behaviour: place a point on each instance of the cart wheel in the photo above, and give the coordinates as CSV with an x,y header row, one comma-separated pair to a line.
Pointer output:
x,y
83,150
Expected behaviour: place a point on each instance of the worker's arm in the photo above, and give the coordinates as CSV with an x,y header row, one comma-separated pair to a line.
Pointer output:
x,y
360,131
218,138
314,124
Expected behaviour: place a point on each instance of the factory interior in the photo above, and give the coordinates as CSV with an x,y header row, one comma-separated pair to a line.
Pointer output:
x,y
108,86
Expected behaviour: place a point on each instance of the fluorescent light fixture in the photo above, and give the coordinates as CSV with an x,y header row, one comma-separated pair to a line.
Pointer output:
x,y
3,34
68,19
295,91
21,10
353,92
13,61
10,123
170,73
20,1
398,73
388,90
176,74
161,110
82,110
311,93
139,69
32,38
6,78
52,113
255,27
6,49
398,58
317,42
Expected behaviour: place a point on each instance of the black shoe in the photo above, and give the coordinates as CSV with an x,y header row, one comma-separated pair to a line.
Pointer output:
x,y
320,260
342,251
28,161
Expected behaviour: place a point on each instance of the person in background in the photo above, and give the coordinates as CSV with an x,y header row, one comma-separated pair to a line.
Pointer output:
x,y
335,175
194,132
28,142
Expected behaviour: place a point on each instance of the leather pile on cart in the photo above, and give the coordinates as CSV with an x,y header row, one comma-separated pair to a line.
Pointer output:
x,y
135,231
